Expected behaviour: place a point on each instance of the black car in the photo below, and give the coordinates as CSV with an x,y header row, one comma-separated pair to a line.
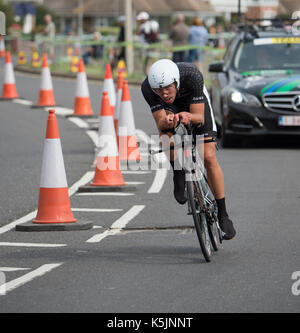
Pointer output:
x,y
255,90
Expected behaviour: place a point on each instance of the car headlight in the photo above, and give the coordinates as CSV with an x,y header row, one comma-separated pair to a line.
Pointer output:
x,y
238,97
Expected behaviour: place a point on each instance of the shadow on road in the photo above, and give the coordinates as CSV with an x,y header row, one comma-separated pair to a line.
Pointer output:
x,y
269,142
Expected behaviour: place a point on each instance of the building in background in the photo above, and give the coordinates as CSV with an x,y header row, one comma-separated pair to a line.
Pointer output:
x,y
263,9
105,12
229,8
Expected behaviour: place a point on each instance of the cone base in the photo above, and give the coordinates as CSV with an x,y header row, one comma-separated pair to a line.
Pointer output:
x,y
99,188
46,98
9,91
108,172
54,206
55,226
82,106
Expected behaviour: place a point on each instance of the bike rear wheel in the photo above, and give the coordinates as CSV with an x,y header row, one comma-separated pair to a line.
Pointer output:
x,y
199,218
213,232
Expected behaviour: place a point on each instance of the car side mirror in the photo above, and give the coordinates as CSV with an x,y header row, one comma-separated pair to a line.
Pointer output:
x,y
216,67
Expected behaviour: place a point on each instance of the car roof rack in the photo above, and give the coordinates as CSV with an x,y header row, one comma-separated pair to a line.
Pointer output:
x,y
252,27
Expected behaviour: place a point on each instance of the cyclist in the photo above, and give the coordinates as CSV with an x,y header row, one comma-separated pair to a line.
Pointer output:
x,y
176,92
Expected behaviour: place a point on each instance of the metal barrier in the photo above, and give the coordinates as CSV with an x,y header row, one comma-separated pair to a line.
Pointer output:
x,y
107,50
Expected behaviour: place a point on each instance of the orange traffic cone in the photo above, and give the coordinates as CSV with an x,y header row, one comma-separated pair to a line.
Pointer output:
x,y
46,97
54,202
108,175
128,148
118,99
82,104
108,166
54,210
108,86
9,86
2,47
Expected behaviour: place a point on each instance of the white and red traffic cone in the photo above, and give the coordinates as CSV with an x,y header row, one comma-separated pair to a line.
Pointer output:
x,y
46,96
82,103
118,99
128,148
9,84
108,175
107,171
2,47
54,202
108,86
54,210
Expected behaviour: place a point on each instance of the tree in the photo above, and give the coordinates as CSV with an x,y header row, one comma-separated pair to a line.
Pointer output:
x,y
9,14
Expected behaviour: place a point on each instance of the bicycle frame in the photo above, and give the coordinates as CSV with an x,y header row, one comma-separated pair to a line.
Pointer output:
x,y
204,208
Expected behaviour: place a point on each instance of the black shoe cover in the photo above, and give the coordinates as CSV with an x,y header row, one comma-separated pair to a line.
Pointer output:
x,y
179,186
227,228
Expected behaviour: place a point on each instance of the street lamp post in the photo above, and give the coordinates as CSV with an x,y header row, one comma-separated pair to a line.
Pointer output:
x,y
128,36
80,17
239,10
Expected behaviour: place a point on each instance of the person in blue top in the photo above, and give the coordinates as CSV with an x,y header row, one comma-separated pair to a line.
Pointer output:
x,y
198,36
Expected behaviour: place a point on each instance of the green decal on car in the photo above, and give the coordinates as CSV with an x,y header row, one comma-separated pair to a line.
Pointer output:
x,y
267,72
282,85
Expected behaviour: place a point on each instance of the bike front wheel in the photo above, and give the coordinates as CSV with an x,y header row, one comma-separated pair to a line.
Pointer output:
x,y
199,218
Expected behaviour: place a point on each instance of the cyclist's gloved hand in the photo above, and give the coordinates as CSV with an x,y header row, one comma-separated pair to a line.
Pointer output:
x,y
170,121
184,117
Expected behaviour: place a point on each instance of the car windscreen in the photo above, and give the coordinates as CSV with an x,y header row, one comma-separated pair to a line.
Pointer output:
x,y
268,54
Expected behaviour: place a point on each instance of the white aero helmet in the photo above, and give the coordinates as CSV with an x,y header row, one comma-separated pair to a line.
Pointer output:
x,y
163,73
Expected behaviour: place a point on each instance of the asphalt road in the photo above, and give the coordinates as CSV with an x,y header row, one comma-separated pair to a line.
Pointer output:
x,y
153,263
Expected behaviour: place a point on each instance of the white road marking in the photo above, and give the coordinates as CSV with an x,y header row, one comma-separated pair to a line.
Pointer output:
x,y
24,219
114,194
79,122
42,270
60,110
23,101
93,135
158,182
135,172
135,183
119,224
31,244
12,269
100,210
86,178
161,174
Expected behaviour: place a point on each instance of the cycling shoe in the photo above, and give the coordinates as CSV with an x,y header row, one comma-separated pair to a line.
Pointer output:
x,y
226,225
179,186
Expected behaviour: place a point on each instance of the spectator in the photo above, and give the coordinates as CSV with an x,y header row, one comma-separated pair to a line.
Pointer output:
x,y
49,32
198,36
121,37
148,30
95,51
179,35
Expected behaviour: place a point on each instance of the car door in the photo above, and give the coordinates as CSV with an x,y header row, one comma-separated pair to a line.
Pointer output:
x,y
219,81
